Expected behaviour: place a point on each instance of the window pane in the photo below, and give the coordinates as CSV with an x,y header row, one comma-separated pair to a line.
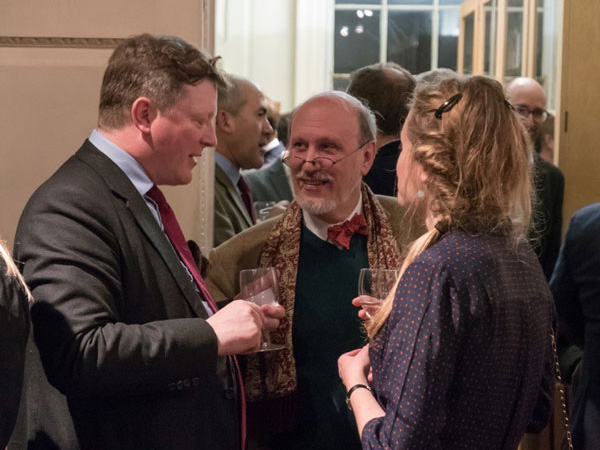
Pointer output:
x,y
467,67
489,49
356,40
448,40
358,2
340,84
450,2
409,40
410,2
546,66
514,39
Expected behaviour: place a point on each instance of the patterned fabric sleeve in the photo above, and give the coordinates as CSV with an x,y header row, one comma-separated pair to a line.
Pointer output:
x,y
418,362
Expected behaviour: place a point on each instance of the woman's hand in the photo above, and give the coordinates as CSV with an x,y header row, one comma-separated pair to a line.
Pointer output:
x,y
354,366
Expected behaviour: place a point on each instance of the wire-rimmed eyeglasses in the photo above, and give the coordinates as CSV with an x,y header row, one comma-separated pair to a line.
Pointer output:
x,y
323,162
537,113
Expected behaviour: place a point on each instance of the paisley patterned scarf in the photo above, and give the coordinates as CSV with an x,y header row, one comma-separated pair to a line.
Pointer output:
x,y
272,375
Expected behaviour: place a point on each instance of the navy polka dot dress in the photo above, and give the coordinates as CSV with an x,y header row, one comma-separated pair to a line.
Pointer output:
x,y
464,361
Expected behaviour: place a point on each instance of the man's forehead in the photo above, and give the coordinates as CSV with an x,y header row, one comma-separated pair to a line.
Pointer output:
x,y
528,95
330,117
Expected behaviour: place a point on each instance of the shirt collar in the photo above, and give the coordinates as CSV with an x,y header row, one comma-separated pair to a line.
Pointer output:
x,y
232,172
127,163
274,143
319,227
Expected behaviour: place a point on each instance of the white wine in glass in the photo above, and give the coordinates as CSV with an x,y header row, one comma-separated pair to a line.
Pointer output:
x,y
374,286
260,286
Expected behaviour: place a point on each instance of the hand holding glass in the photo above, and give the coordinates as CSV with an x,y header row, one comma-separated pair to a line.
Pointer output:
x,y
374,286
260,286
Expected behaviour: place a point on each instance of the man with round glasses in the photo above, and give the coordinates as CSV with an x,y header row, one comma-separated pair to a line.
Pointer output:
x,y
335,227
529,101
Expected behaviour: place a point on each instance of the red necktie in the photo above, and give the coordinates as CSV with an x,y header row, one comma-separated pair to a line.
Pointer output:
x,y
247,198
342,234
175,235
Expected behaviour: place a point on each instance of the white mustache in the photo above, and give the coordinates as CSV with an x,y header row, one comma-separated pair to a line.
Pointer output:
x,y
316,175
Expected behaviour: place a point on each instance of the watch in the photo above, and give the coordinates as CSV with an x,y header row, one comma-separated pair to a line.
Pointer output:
x,y
352,389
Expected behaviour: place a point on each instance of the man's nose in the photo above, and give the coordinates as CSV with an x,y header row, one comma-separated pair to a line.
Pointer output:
x,y
267,128
210,137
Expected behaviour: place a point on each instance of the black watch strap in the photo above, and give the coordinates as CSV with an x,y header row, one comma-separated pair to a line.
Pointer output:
x,y
352,389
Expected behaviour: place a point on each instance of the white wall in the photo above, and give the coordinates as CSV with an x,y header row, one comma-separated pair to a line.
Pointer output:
x,y
283,45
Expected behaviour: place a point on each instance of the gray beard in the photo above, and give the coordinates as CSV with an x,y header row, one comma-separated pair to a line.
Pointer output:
x,y
316,207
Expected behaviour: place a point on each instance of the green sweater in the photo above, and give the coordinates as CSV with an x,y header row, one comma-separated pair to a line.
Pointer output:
x,y
325,325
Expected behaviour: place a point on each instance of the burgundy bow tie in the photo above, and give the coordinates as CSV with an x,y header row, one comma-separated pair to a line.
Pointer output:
x,y
342,233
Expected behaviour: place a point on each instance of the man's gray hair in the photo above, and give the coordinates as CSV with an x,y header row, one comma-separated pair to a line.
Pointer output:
x,y
366,119
232,96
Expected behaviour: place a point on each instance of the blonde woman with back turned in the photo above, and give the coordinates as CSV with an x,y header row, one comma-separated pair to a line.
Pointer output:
x,y
460,352
14,329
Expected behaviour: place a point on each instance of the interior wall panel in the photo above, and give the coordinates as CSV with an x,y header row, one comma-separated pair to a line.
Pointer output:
x,y
52,57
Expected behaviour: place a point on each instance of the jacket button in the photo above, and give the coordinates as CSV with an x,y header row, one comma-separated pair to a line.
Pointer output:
x,y
187,383
180,385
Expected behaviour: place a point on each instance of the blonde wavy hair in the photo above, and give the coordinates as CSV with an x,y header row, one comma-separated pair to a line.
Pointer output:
x,y
476,156
12,271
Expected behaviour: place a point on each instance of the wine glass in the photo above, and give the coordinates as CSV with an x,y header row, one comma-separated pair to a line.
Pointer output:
x,y
260,286
374,286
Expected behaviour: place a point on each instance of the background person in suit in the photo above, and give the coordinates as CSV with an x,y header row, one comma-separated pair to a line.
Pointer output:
x,y
124,324
529,100
335,227
273,183
274,148
14,329
576,289
242,131
386,89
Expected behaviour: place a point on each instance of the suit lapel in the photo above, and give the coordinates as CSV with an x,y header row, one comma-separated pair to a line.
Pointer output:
x,y
124,189
233,194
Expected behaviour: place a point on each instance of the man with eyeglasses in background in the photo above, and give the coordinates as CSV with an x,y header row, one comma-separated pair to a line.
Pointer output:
x,y
529,101
333,228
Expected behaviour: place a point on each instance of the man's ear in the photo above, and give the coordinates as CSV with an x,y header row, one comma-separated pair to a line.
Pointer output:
x,y
225,121
369,151
143,113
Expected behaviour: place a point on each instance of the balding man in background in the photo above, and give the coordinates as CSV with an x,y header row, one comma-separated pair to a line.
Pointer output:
x,y
386,89
242,131
529,100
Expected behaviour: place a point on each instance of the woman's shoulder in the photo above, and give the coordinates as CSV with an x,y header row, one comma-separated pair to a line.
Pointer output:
x,y
459,254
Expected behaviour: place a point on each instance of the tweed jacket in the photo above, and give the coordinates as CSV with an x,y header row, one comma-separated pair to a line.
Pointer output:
x,y
243,251
230,214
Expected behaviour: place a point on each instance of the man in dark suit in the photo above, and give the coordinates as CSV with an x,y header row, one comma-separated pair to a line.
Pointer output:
x,y
529,101
242,131
576,289
270,184
385,89
125,326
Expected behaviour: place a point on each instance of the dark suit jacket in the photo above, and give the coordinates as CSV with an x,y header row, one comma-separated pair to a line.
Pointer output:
x,y
230,213
576,289
269,184
547,213
117,321
382,176
14,326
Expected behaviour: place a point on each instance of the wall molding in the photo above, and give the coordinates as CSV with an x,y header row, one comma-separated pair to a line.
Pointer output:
x,y
59,42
